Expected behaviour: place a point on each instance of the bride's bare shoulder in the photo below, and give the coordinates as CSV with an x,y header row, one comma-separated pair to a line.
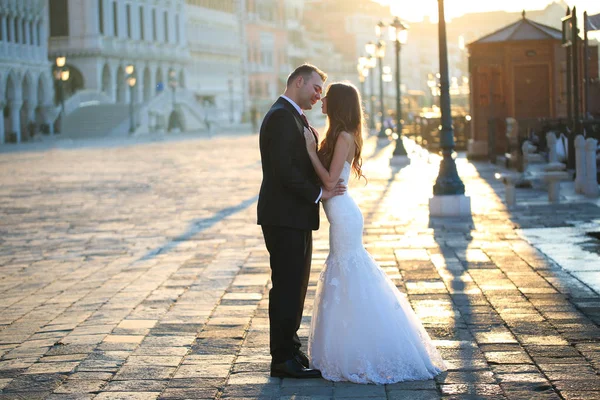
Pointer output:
x,y
346,136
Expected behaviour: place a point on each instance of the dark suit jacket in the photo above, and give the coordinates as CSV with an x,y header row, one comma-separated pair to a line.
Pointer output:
x,y
290,185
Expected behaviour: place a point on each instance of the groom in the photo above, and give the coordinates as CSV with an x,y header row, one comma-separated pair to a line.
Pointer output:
x,y
288,211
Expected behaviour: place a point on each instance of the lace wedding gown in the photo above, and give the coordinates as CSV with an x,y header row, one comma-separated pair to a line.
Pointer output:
x,y
363,329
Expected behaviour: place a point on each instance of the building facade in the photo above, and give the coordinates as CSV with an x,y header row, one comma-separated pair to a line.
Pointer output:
x,y
26,90
100,38
217,68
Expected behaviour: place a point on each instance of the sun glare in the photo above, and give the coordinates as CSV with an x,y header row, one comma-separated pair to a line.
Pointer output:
x,y
454,8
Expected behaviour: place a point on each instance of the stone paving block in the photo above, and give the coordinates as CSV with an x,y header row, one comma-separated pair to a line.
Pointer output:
x,y
34,383
478,389
181,393
307,391
19,396
70,396
160,351
156,361
591,385
252,378
466,377
78,386
576,395
136,385
346,389
144,372
127,396
214,383
251,391
202,371
413,395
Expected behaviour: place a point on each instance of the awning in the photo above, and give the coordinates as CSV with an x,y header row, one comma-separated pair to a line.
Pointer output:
x,y
593,22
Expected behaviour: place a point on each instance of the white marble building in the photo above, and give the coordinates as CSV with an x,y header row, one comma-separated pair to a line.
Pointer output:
x,y
217,70
100,38
26,90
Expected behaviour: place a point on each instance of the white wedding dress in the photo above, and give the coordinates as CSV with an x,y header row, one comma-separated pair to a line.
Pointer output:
x,y
363,329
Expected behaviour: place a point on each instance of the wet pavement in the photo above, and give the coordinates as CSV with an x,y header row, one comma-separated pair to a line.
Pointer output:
x,y
135,270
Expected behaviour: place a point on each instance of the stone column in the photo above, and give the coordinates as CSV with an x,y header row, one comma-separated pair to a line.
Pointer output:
x,y
15,118
580,172
591,186
551,140
2,134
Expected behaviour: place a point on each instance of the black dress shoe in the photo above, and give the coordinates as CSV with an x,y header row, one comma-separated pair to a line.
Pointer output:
x,y
302,358
293,369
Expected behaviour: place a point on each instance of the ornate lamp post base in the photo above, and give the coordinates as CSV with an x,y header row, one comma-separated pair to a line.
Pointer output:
x,y
457,205
400,150
449,198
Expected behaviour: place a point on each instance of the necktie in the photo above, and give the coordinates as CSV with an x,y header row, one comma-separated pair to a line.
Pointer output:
x,y
313,130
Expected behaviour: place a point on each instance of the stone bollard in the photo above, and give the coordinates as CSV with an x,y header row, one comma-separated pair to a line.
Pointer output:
x,y
591,180
551,141
553,163
509,181
580,164
554,178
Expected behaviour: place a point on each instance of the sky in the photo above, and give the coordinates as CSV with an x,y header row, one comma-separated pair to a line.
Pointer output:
x,y
416,10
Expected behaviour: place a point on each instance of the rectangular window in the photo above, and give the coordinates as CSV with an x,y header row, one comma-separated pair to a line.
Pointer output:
x,y
115,20
142,33
166,22
128,13
101,16
154,33
59,18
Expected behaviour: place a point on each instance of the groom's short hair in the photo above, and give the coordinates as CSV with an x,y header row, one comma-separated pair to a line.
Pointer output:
x,y
305,71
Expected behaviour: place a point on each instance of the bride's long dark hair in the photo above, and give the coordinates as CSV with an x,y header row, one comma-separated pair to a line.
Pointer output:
x,y
344,113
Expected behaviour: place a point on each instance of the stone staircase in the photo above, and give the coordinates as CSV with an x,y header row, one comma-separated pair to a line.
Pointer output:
x,y
100,118
97,120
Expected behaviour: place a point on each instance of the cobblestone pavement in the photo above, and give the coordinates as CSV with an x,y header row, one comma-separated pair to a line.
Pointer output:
x,y
135,271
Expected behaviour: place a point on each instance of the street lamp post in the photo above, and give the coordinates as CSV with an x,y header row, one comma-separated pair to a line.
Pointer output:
x,y
398,33
131,82
370,48
363,72
230,85
173,83
449,190
380,54
61,74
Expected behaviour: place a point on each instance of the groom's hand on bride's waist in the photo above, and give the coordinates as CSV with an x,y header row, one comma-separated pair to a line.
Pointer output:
x,y
337,190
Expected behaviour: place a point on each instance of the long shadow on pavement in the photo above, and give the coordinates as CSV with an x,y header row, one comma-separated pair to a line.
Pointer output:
x,y
198,225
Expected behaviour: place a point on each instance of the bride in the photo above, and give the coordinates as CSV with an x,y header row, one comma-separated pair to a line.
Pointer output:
x,y
363,329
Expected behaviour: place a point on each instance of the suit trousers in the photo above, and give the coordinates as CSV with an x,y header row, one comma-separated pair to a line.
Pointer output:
x,y
290,253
